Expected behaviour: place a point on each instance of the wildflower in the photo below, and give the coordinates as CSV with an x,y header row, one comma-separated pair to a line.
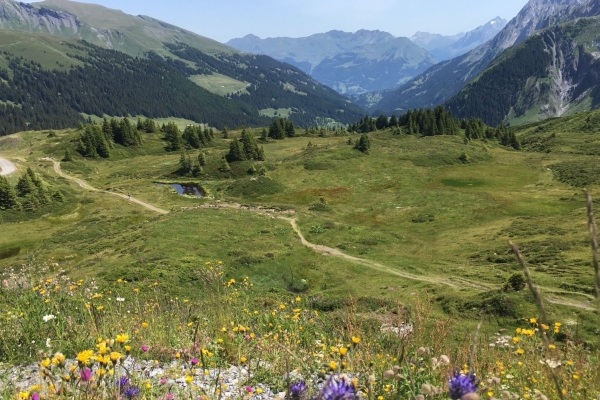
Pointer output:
x,y
122,383
48,345
86,374
85,356
343,351
144,324
298,390
189,379
35,396
120,299
520,351
338,389
49,317
24,395
122,338
131,392
145,348
194,361
533,320
444,359
45,363
333,365
462,384
243,360
115,356
59,359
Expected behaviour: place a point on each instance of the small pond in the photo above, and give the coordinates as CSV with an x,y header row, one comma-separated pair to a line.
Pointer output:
x,y
188,189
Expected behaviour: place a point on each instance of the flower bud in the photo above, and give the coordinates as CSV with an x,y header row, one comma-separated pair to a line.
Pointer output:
x,y
470,396
399,377
388,374
505,395
396,369
420,397
421,351
445,359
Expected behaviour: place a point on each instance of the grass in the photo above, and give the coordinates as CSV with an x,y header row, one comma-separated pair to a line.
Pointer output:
x,y
220,84
272,112
411,206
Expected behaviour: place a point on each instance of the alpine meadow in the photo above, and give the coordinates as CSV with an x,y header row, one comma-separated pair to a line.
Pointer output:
x,y
181,219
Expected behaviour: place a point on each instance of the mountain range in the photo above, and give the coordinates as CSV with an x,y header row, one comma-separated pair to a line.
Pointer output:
x,y
443,48
246,89
444,80
366,61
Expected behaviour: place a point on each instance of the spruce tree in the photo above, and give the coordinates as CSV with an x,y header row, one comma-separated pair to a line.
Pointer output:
x,y
8,195
201,160
173,137
363,144
290,131
68,157
185,164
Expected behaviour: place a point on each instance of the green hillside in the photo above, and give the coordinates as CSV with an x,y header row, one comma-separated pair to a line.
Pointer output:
x,y
134,35
551,74
259,82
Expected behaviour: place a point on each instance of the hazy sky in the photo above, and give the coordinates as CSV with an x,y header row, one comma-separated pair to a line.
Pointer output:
x,y
226,19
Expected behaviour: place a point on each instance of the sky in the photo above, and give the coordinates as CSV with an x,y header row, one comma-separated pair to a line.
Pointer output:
x,y
223,20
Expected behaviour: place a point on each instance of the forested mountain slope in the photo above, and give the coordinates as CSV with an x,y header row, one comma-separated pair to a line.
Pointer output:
x,y
446,79
263,84
554,72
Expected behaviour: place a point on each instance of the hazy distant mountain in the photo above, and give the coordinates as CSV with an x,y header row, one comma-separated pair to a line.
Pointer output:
x,y
351,63
447,47
446,79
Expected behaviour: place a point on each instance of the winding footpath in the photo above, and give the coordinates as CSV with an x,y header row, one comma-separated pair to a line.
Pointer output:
x,y
455,283
6,167
89,187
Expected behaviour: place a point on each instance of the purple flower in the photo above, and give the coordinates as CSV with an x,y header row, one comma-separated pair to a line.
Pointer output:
x,y
194,361
145,348
249,389
338,389
298,390
131,392
461,384
35,396
170,396
86,374
122,383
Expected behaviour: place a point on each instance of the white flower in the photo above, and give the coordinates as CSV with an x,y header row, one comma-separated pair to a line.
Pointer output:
x,y
48,345
48,317
120,299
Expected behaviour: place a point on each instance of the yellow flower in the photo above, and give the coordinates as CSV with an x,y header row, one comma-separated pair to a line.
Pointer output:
x,y
128,349
355,340
533,320
190,324
576,377
552,346
24,395
85,356
243,360
259,391
122,338
177,355
520,351
343,351
569,363
516,340
189,379
144,324
45,363
491,394
58,359
115,356
333,365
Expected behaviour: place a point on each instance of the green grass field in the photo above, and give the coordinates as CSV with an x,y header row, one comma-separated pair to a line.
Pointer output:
x,y
410,207
220,84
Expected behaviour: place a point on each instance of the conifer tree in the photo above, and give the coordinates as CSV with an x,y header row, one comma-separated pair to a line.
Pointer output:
x,y
173,137
68,157
8,195
190,137
185,163
363,144
201,160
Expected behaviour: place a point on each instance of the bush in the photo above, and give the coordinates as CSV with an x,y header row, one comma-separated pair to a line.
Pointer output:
x,y
516,283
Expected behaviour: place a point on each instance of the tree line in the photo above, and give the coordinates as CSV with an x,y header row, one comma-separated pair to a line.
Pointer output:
x,y
437,121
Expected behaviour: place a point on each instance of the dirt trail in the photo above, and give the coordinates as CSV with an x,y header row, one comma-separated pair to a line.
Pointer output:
x,y
456,283
89,187
6,167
